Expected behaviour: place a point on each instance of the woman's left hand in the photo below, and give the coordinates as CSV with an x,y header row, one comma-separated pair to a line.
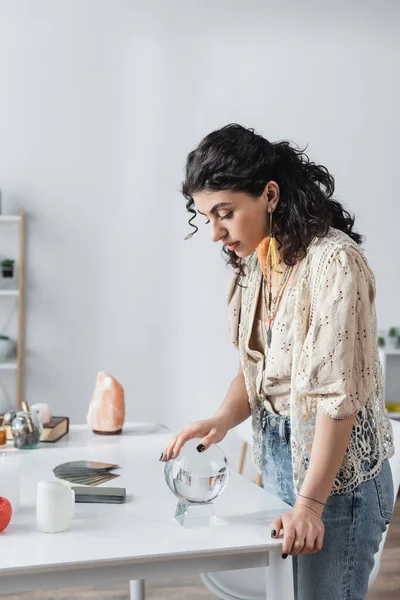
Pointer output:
x,y
302,530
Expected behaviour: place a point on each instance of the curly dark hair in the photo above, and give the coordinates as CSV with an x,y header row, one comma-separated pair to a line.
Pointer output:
x,y
236,158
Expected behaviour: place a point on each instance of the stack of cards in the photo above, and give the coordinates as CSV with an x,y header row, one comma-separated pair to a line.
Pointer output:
x,y
84,472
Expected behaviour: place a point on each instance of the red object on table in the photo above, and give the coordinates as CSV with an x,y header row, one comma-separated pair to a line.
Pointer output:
x,y
5,513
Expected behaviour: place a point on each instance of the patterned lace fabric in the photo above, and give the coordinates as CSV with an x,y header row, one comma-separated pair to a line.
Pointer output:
x,y
335,363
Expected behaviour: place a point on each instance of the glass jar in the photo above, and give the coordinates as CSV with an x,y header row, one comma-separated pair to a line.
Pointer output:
x,y
3,433
26,429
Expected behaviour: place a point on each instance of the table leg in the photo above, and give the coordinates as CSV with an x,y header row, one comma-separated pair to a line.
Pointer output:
x,y
279,577
137,589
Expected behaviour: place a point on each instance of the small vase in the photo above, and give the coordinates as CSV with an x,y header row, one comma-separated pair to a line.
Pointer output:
x,y
26,429
7,271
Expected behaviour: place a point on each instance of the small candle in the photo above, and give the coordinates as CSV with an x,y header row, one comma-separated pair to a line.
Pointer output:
x,y
54,506
3,436
44,412
3,433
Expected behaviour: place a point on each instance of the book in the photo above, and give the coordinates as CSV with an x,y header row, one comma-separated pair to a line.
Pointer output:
x,y
111,495
52,432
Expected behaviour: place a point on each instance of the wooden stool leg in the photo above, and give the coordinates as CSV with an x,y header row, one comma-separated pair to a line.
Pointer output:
x,y
259,479
242,457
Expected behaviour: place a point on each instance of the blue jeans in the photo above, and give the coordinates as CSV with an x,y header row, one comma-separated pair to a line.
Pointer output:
x,y
354,523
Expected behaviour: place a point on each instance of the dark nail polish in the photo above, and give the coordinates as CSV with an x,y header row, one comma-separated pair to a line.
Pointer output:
x,y
165,458
273,533
200,448
173,455
162,454
284,555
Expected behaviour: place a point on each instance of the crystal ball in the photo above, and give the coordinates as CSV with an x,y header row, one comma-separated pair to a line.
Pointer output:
x,y
197,477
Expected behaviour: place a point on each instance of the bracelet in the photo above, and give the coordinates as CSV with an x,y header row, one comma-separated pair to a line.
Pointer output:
x,y
309,508
313,500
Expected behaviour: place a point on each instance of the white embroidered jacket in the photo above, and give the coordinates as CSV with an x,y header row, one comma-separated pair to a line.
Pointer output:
x,y
335,365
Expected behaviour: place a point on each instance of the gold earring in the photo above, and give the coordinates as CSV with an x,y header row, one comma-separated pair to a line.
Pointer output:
x,y
272,255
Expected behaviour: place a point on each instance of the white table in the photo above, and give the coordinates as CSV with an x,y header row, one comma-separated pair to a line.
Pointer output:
x,y
139,539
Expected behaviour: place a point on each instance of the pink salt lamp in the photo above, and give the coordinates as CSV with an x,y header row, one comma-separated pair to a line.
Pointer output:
x,y
107,407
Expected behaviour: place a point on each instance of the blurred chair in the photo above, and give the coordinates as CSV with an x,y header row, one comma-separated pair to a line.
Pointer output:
x,y
249,584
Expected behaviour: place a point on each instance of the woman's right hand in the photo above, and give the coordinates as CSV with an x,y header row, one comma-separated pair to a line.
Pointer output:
x,y
211,431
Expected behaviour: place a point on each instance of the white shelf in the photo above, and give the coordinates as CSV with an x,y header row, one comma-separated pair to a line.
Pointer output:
x,y
394,415
10,218
10,366
9,292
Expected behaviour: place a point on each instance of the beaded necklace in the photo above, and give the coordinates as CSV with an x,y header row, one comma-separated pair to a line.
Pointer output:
x,y
273,303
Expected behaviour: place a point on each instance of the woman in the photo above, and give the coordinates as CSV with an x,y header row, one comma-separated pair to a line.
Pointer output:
x,y
302,314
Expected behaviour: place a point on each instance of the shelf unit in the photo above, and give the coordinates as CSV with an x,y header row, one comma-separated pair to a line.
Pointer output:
x,y
394,415
16,364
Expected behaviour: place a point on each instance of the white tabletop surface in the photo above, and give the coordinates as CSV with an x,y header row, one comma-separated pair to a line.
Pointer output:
x,y
142,529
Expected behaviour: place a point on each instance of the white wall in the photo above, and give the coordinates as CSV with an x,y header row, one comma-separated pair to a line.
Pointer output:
x,y
100,101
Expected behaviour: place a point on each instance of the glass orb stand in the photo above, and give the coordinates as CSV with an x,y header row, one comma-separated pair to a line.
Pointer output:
x,y
195,514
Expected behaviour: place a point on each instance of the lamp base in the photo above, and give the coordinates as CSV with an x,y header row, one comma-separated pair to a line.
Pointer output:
x,y
192,515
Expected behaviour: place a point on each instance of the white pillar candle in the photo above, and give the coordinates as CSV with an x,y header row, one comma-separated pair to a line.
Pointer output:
x,y
55,503
10,480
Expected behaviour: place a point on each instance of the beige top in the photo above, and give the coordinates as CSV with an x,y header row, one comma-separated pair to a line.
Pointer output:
x,y
335,362
272,367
